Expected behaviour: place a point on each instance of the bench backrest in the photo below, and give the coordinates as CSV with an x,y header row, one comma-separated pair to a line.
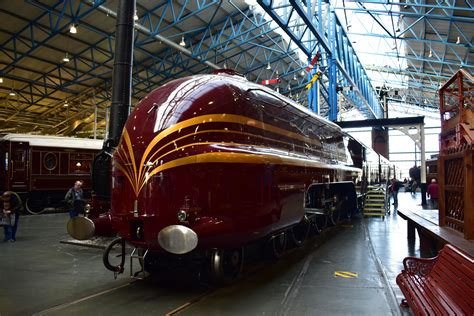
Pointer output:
x,y
454,273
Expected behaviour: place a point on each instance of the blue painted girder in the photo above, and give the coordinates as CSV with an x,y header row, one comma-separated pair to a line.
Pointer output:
x,y
337,51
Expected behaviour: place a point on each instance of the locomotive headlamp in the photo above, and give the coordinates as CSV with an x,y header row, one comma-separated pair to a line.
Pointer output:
x,y
87,209
182,215
177,239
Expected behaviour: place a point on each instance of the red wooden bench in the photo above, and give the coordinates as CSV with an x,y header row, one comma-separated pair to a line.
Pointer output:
x,y
443,285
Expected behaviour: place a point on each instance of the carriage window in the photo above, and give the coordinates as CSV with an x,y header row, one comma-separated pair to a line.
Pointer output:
x,y
19,160
80,162
50,161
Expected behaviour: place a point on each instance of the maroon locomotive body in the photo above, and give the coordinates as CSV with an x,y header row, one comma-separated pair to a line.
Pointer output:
x,y
215,162
42,168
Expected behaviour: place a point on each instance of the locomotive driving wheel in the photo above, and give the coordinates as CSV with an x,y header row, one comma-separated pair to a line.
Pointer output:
x,y
299,232
277,245
320,223
226,264
334,216
35,206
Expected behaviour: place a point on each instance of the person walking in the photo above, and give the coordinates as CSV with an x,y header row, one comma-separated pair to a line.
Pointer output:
x,y
432,193
75,199
394,187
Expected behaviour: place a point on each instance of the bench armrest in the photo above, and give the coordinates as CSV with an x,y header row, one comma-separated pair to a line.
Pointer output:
x,y
419,266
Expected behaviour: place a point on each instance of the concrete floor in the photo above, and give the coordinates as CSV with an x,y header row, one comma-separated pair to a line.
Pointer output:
x,y
41,276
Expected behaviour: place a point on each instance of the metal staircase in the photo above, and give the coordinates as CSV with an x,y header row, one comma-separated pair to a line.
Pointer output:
x,y
376,201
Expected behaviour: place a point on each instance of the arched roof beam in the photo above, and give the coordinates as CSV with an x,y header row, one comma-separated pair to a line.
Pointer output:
x,y
415,39
419,16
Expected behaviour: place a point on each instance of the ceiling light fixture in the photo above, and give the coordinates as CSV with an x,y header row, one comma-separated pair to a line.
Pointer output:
x,y
12,93
66,58
302,73
1,80
294,77
269,67
65,104
135,17
430,54
182,43
458,41
73,29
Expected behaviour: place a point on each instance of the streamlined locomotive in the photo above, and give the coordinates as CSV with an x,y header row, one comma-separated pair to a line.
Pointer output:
x,y
209,163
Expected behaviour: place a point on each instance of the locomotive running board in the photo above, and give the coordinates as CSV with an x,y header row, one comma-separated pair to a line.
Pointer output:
x,y
139,257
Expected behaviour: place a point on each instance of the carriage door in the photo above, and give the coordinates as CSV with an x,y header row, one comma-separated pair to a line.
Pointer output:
x,y
19,167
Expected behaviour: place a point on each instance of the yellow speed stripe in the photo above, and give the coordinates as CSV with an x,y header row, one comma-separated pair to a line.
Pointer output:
x,y
345,274
236,157
139,174
219,118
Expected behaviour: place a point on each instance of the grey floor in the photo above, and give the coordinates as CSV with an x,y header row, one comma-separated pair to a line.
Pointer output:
x,y
40,275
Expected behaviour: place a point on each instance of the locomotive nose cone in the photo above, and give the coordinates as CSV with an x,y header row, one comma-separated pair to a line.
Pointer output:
x,y
80,228
177,239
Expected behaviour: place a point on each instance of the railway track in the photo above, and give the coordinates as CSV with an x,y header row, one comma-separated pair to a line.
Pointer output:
x,y
175,293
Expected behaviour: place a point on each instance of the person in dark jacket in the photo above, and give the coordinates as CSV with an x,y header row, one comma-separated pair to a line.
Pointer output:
x,y
75,199
394,187
10,215
432,193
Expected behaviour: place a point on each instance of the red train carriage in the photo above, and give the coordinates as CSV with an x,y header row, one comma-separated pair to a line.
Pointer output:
x,y
42,168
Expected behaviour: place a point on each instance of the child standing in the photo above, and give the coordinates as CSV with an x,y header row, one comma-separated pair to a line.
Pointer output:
x,y
8,219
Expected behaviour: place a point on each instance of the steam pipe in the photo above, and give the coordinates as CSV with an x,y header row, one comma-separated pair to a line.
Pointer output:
x,y
122,72
121,98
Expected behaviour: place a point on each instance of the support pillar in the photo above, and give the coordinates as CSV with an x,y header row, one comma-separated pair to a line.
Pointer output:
x,y
332,67
380,141
423,185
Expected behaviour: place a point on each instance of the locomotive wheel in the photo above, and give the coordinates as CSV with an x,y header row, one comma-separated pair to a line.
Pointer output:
x,y
226,264
277,245
34,206
299,232
320,223
334,216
